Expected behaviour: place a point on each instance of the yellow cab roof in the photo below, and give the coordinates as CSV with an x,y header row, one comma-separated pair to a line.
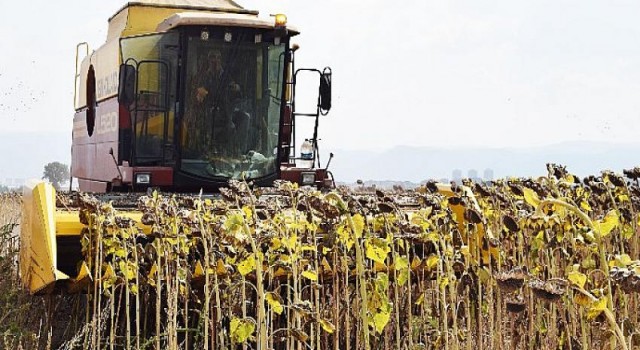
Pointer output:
x,y
204,5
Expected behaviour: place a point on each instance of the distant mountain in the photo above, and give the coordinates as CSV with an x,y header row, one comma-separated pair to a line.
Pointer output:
x,y
23,156
417,164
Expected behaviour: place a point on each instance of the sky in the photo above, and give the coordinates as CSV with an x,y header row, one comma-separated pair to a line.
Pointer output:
x,y
422,73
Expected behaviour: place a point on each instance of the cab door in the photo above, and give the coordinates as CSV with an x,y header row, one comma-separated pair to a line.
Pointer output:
x,y
152,111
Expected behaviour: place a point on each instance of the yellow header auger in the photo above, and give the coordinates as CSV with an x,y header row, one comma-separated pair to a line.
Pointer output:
x,y
52,260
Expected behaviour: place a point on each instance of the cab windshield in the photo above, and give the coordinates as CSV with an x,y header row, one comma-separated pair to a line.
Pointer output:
x,y
231,106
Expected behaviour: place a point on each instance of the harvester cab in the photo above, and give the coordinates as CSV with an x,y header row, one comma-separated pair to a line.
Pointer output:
x,y
188,95
184,96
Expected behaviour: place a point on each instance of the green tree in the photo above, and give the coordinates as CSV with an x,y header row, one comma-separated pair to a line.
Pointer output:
x,y
57,173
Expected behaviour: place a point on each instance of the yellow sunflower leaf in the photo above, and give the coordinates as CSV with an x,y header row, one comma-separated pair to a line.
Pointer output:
x,y
241,330
415,262
234,222
325,266
327,326
581,299
128,269
377,250
401,263
276,243
577,278
584,205
358,223
596,308
310,275
220,268
531,197
290,242
247,265
403,277
608,223
381,318
152,275
464,250
274,302
432,261
248,213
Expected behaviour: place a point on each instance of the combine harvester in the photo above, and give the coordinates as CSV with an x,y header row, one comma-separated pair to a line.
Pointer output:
x,y
184,96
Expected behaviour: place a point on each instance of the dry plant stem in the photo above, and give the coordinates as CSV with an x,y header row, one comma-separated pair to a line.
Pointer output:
x,y
93,244
207,263
316,292
610,318
553,267
126,301
396,292
362,285
347,302
566,334
452,290
270,322
98,301
467,308
296,294
112,308
261,319
599,242
617,209
244,304
443,273
531,324
173,329
137,261
159,251
479,323
336,302
634,225
289,313
216,286
359,269
490,295
408,309
295,272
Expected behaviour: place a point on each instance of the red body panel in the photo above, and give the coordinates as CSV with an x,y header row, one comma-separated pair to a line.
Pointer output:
x,y
90,154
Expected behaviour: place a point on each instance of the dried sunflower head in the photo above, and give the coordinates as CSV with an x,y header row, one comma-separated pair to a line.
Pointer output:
x,y
632,173
551,290
510,223
472,216
628,280
516,304
512,280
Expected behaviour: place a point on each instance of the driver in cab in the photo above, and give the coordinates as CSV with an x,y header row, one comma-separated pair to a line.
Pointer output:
x,y
213,85
213,96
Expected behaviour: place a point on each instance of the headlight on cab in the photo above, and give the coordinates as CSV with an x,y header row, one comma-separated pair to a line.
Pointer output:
x,y
143,178
308,178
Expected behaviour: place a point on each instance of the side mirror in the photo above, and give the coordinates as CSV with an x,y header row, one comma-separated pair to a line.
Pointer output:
x,y
325,91
126,84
